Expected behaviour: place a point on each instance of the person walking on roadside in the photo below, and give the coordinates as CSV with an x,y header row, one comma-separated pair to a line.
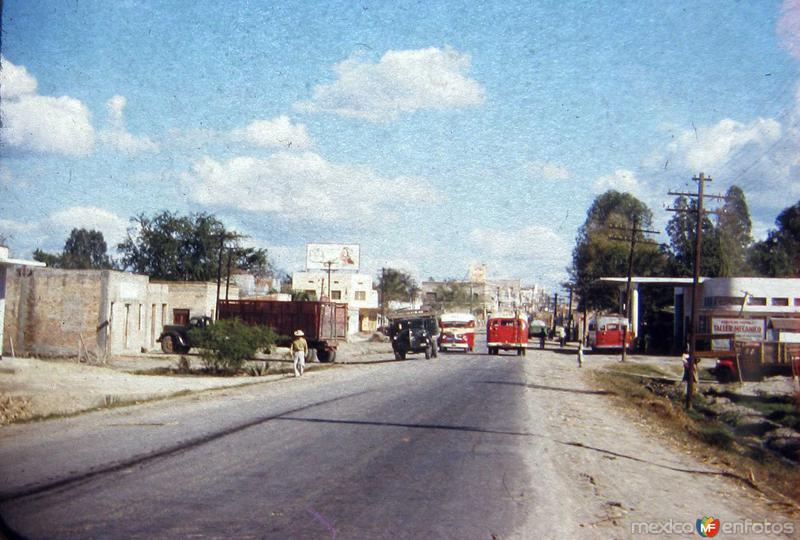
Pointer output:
x,y
541,339
299,352
580,354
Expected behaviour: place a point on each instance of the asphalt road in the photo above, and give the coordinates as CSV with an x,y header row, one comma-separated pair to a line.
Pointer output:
x,y
439,448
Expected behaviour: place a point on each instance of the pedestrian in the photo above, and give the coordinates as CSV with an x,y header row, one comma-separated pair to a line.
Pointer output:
x,y
299,352
580,354
541,339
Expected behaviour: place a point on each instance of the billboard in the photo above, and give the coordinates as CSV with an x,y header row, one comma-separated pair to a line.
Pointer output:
x,y
333,256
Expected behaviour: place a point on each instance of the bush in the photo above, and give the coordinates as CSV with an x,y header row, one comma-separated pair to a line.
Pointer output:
x,y
226,344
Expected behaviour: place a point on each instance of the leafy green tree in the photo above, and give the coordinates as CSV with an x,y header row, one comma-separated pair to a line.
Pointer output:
x,y
397,285
84,249
597,255
682,230
454,294
779,254
226,344
172,247
734,234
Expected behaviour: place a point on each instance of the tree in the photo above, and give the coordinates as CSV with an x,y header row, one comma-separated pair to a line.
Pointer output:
x,y
779,254
84,249
597,255
682,230
172,247
734,234
453,294
396,285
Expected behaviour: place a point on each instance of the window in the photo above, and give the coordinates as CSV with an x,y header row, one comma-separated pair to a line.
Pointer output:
x,y
430,296
725,301
336,295
756,301
780,301
310,292
797,301
361,295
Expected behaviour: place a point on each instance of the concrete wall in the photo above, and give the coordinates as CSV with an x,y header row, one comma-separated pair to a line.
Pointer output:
x,y
49,310
200,298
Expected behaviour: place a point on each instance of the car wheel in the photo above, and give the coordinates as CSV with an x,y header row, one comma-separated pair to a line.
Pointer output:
x,y
168,345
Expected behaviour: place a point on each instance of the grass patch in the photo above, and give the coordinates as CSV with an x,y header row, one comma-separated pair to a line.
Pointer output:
x,y
699,431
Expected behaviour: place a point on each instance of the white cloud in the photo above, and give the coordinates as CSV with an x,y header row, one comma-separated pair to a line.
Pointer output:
x,y
117,135
303,186
401,81
41,124
621,180
113,227
547,170
278,132
15,81
710,147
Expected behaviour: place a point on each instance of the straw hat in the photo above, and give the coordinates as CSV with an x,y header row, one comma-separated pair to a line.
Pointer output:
x,y
298,333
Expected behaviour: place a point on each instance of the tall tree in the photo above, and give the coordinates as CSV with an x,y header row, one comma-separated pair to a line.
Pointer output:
x,y
682,230
172,247
397,285
734,233
779,254
597,255
84,249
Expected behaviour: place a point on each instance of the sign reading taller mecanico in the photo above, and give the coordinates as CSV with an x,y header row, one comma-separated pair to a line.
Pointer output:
x,y
333,256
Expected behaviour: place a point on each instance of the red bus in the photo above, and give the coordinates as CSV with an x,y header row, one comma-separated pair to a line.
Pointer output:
x,y
605,332
458,332
507,333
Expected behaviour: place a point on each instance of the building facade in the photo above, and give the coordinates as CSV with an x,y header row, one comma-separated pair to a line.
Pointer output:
x,y
58,312
354,289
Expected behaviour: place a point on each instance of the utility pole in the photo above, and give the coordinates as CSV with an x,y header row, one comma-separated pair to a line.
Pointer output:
x,y
555,312
691,368
329,264
219,274
634,231
228,278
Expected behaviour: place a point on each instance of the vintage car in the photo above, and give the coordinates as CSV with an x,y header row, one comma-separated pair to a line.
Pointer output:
x,y
414,333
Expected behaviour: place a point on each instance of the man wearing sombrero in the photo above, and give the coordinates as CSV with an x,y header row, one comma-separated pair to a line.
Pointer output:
x,y
299,352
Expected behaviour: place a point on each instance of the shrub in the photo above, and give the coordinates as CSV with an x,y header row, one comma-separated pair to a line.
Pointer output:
x,y
226,344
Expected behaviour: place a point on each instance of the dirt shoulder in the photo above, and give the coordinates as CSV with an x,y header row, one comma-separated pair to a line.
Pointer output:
x,y
627,475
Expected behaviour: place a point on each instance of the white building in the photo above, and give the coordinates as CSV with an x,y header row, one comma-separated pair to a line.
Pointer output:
x,y
353,289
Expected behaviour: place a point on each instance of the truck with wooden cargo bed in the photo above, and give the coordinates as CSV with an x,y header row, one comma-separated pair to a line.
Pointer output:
x,y
323,323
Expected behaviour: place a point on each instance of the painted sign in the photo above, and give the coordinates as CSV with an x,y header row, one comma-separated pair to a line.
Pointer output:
x,y
744,329
333,256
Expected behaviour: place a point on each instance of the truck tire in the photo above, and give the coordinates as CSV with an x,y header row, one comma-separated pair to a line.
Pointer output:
x,y
524,351
326,355
168,345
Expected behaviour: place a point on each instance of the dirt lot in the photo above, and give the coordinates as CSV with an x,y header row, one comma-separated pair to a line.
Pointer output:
x,y
33,388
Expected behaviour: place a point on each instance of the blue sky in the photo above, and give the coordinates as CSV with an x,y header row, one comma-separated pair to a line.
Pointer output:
x,y
434,134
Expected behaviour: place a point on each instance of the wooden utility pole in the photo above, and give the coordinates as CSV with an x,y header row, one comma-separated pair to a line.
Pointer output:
x,y
634,231
691,368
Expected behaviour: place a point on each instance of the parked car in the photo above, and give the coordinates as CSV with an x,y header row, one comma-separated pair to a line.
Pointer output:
x,y
414,333
175,338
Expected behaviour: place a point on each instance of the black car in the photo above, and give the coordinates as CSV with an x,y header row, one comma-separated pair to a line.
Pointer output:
x,y
418,334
